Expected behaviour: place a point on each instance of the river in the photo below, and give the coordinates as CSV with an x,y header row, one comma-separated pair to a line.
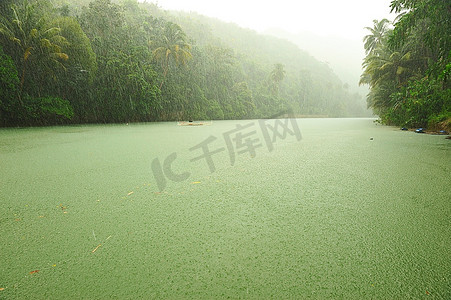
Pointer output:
x,y
310,208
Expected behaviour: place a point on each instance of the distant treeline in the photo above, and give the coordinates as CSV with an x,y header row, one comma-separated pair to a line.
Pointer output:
x,y
408,65
108,61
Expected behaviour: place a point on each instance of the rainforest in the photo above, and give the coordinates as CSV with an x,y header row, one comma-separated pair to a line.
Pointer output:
x,y
110,62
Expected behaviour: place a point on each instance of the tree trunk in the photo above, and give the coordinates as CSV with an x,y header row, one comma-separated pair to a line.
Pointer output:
x,y
164,76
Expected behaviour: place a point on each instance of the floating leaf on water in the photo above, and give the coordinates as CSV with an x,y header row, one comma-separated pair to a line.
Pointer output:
x,y
96,248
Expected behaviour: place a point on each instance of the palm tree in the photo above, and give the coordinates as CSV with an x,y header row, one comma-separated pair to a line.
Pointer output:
x,y
33,39
378,35
277,75
172,45
386,65
385,71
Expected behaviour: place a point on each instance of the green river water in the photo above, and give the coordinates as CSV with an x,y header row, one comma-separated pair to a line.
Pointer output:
x,y
352,210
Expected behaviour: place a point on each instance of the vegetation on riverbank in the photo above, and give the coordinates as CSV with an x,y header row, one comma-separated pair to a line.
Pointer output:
x,y
408,65
105,61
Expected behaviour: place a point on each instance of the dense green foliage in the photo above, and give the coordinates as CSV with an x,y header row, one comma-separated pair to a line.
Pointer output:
x,y
122,61
408,67
9,81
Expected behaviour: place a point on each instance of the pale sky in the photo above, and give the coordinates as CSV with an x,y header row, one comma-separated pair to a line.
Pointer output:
x,y
343,18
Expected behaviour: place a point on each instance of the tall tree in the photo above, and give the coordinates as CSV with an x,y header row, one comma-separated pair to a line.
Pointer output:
x,y
9,82
125,80
36,42
435,15
75,81
377,36
408,68
171,45
277,75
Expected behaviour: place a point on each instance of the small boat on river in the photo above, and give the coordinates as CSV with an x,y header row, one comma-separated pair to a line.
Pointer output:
x,y
193,123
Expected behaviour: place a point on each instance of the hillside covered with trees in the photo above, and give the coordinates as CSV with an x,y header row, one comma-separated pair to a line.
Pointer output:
x,y
408,65
106,61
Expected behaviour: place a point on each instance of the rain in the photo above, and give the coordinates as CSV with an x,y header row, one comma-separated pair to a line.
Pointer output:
x,y
225,149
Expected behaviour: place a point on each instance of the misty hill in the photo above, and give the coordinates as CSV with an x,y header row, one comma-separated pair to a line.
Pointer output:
x,y
344,56
123,61
282,48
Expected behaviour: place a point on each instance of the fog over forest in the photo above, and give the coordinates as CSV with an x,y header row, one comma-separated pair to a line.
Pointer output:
x,y
109,61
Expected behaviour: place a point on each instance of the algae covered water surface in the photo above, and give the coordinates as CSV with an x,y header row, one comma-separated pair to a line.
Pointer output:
x,y
349,211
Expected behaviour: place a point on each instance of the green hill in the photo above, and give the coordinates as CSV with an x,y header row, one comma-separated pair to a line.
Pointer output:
x,y
124,61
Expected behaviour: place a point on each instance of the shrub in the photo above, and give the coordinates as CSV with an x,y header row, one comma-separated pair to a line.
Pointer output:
x,y
48,110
